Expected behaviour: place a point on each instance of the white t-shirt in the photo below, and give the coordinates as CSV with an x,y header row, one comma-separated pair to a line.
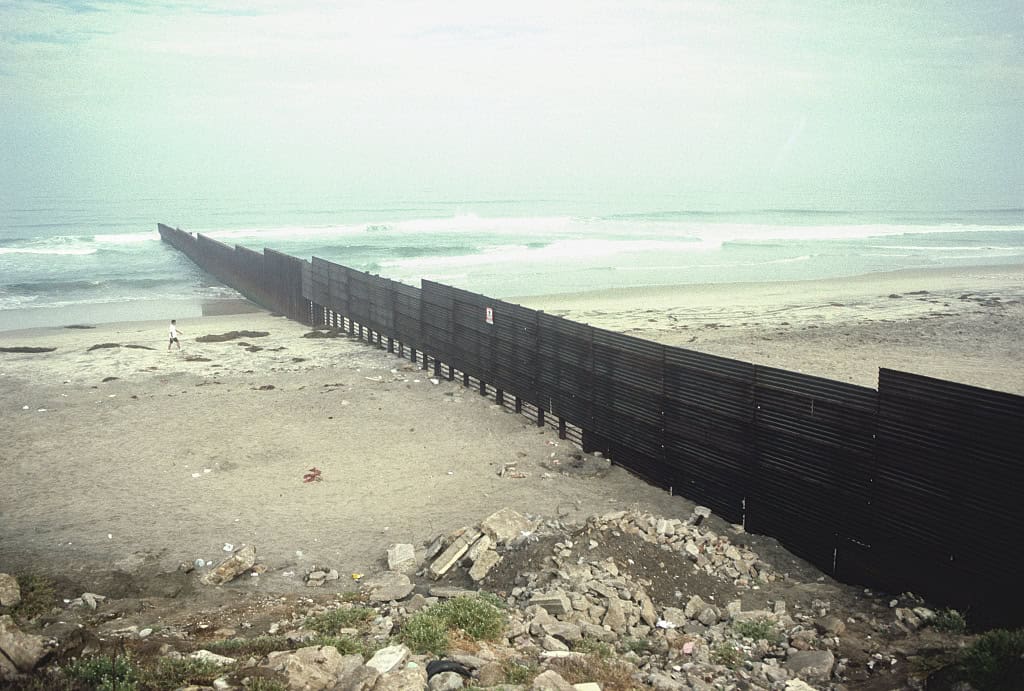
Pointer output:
x,y
174,331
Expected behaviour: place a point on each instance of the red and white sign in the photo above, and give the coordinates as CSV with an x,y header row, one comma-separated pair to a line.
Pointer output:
x,y
489,315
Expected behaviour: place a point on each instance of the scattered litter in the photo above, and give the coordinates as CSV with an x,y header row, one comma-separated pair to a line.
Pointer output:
x,y
41,410
199,563
207,470
663,624
288,574
110,536
376,379
113,395
433,381
451,472
415,381
197,474
228,547
356,576
24,407
345,403
312,476
688,648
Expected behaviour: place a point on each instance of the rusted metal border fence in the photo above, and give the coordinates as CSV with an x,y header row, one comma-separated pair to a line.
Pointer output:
x,y
912,487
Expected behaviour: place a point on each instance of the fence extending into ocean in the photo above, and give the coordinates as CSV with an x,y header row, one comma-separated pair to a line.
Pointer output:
x,y
913,487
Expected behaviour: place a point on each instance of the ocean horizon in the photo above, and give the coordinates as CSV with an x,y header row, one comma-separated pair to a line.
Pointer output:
x,y
85,261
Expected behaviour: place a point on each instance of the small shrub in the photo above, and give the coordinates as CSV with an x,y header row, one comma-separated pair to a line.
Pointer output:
x,y
640,646
263,684
610,674
37,597
995,662
346,645
245,647
172,673
427,631
104,673
759,629
331,622
518,673
727,655
480,619
950,621
592,646
425,634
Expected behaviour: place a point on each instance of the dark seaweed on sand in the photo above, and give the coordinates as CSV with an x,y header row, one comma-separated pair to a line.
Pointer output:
x,y
98,346
230,336
27,349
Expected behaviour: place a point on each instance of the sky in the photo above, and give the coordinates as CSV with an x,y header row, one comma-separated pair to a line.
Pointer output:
x,y
692,104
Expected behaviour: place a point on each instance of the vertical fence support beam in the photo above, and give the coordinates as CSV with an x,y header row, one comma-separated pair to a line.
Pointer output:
x,y
519,404
483,388
451,372
391,344
437,368
412,355
351,327
499,397
540,416
561,428
426,365
465,379
401,349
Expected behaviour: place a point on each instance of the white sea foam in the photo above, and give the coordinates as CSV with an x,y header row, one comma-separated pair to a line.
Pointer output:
x,y
72,251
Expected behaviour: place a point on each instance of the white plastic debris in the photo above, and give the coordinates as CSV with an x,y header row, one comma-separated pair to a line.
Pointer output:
x,y
663,624
228,547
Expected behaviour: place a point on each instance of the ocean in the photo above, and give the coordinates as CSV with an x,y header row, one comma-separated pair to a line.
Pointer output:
x,y
66,261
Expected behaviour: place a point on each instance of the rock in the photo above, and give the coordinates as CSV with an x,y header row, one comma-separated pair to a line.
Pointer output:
x,y
232,567
314,667
207,656
401,557
701,514
506,525
448,558
10,593
694,606
551,643
569,633
388,586
588,686
663,682
448,591
491,674
648,614
445,681
708,616
484,563
359,678
550,681
388,659
615,616
554,602
811,665
798,685
482,544
833,626
674,616
19,652
412,678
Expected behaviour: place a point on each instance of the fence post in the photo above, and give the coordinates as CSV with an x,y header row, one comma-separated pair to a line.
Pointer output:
x,y
561,428
499,396
540,416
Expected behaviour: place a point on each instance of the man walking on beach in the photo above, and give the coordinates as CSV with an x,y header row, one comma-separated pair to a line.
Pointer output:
x,y
174,335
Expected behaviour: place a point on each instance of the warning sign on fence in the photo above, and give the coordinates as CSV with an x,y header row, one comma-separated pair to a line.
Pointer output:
x,y
489,315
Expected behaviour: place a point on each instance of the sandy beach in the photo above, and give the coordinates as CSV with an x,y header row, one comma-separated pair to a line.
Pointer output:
x,y
128,456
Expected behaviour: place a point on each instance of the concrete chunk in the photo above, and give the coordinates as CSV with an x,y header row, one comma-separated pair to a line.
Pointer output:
x,y
401,557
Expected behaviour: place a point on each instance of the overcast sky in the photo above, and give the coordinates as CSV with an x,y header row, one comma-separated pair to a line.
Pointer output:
x,y
834,104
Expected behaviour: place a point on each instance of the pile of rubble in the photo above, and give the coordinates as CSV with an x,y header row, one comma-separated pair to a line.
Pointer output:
x,y
565,602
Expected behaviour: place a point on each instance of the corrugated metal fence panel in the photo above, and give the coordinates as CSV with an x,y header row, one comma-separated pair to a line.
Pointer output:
x,y
948,470
436,310
815,444
564,368
709,433
514,366
407,314
320,284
